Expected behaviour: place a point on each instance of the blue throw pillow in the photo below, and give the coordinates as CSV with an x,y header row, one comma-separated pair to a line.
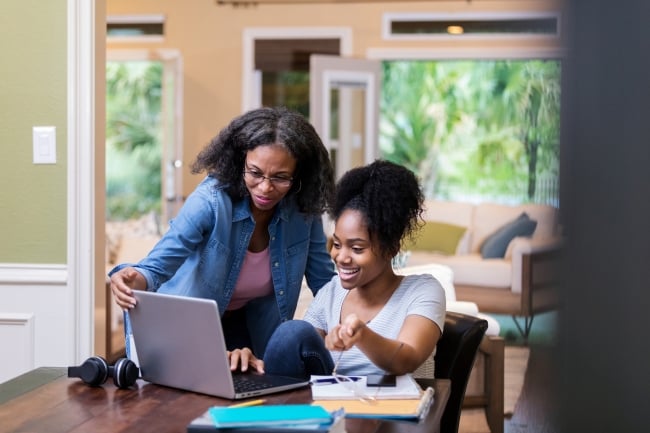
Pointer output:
x,y
496,244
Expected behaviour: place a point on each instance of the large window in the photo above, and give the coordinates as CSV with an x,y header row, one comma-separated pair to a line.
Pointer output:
x,y
475,130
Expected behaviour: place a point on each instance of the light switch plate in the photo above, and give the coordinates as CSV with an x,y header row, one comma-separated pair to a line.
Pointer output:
x,y
44,142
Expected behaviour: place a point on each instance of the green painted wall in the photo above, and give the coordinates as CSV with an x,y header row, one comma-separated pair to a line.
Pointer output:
x,y
32,93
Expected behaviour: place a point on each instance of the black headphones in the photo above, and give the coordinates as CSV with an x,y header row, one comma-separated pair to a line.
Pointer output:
x,y
95,371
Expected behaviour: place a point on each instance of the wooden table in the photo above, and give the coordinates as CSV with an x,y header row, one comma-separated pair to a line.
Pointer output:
x,y
46,400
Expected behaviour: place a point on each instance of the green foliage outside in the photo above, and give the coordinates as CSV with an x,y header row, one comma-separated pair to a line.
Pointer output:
x,y
475,130
133,150
471,130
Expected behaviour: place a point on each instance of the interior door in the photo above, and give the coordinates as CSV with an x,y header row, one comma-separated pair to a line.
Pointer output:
x,y
344,108
172,135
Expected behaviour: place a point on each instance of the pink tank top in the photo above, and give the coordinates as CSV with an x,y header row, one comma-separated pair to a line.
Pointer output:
x,y
254,279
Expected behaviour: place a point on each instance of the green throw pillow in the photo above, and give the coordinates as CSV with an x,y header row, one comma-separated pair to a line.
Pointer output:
x,y
437,237
496,244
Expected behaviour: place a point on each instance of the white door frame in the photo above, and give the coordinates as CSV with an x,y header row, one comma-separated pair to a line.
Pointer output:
x,y
83,17
251,79
328,72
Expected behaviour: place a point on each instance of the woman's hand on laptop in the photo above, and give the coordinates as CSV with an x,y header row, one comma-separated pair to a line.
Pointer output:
x,y
123,283
241,359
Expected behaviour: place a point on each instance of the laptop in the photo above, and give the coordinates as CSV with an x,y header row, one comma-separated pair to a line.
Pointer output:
x,y
180,344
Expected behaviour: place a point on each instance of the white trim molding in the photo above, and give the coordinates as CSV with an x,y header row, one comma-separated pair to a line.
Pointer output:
x,y
81,180
464,53
136,19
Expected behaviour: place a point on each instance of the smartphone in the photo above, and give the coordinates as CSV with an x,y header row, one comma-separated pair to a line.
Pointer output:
x,y
381,380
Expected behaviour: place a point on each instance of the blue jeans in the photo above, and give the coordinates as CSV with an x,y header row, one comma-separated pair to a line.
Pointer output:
x,y
296,349
235,331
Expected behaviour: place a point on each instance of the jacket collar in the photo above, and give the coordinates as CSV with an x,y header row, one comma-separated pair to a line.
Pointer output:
x,y
242,210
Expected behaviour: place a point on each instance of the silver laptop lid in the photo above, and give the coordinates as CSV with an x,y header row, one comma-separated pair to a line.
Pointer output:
x,y
180,343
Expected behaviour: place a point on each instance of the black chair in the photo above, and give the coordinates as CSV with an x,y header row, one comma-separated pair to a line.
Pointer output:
x,y
454,359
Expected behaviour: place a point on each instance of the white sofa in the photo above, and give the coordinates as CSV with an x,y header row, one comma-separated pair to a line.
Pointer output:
x,y
521,283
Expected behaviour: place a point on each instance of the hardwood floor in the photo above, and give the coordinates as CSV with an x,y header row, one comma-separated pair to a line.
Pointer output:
x,y
534,411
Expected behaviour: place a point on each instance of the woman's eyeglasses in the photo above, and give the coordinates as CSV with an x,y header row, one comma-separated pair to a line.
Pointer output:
x,y
255,178
350,383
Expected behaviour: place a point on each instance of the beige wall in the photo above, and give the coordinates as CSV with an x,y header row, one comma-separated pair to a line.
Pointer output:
x,y
209,37
32,93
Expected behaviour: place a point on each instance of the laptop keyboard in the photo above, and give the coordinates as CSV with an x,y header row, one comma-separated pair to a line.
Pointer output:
x,y
246,383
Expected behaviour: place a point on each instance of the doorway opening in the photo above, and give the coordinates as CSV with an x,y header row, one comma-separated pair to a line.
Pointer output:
x,y
282,68
143,161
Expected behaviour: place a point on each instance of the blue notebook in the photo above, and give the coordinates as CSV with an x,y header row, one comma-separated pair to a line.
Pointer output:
x,y
267,415
205,424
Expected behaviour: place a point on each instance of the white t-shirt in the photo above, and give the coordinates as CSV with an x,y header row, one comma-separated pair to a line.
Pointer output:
x,y
417,294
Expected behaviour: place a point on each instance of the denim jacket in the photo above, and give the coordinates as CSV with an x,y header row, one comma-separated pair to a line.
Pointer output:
x,y
202,253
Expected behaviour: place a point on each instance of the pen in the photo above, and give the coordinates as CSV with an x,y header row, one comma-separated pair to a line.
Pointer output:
x,y
331,380
249,403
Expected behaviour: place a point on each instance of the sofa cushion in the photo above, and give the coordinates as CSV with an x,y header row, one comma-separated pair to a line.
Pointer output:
x,y
457,213
437,237
487,219
473,270
496,244
546,217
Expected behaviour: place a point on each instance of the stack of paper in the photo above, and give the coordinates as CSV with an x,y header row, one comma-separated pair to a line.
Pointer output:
x,y
326,388
405,401
411,409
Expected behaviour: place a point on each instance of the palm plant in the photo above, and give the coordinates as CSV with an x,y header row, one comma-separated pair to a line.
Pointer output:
x,y
529,93
472,127
416,118
133,151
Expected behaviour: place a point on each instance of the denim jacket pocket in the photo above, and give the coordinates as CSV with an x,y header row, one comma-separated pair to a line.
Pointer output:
x,y
296,256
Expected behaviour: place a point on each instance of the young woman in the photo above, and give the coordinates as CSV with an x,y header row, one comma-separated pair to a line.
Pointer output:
x,y
249,232
366,320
